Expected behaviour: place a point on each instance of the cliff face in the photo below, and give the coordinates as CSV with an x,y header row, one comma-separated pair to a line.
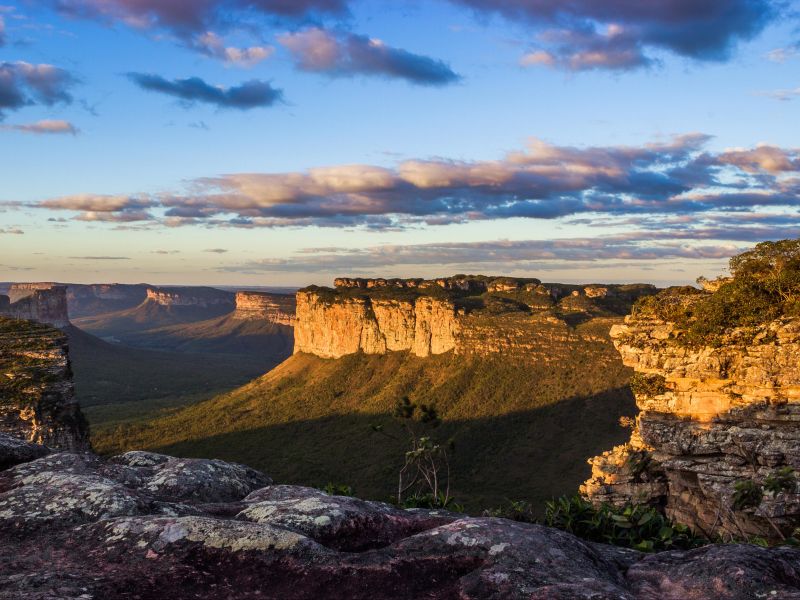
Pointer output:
x,y
195,296
37,396
42,304
713,420
274,308
470,315
335,328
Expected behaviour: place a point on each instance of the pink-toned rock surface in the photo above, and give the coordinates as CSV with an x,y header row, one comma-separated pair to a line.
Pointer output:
x,y
147,526
40,302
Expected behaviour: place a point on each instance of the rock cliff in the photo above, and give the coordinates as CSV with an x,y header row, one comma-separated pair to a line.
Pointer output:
x,y
717,442
36,302
37,397
143,525
191,296
274,308
331,327
475,315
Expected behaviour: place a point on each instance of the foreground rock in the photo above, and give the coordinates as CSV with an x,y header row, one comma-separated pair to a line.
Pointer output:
x,y
149,526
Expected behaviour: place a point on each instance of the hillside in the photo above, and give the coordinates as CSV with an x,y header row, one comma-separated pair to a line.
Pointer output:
x,y
523,428
227,334
147,315
122,380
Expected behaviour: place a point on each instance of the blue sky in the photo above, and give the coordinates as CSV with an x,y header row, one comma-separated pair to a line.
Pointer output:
x,y
202,142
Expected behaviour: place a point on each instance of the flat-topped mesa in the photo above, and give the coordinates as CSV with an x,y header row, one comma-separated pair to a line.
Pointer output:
x,y
37,396
332,329
458,283
275,308
41,304
717,442
190,296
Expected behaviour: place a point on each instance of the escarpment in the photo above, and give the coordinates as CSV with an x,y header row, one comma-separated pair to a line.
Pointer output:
x,y
274,308
41,302
474,315
195,296
37,396
716,442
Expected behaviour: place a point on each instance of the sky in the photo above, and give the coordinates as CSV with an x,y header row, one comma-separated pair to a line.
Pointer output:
x,y
288,142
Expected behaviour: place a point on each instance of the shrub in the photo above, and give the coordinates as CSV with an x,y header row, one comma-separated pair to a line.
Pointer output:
x,y
648,385
640,527
515,510
747,494
338,489
782,480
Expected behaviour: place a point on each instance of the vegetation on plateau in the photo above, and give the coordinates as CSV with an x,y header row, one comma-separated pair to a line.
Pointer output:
x,y
764,286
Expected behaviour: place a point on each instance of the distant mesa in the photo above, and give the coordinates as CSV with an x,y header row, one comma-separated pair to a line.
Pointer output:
x,y
275,308
203,297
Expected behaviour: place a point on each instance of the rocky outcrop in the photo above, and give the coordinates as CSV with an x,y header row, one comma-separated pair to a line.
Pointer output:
x,y
143,525
331,326
37,396
36,302
717,442
191,296
274,308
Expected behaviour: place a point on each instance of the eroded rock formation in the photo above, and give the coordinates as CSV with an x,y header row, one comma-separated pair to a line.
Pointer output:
x,y
143,525
37,396
44,303
468,315
194,296
275,308
713,419
332,327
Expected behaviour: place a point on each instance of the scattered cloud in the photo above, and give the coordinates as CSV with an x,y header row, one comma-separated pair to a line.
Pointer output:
x,y
11,231
99,257
2,31
213,45
248,95
23,84
166,252
343,54
676,177
781,55
44,127
216,250
186,17
588,34
782,95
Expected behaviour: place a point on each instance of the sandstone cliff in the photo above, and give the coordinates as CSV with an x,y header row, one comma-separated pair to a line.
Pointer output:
x,y
717,422
37,397
36,302
274,308
474,315
191,296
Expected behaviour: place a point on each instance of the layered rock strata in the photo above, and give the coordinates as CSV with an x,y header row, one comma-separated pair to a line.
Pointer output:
x,y
335,328
716,423
275,308
42,304
37,396
143,525
195,296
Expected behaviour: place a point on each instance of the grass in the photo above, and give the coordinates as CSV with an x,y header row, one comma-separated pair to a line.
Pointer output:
x,y
522,429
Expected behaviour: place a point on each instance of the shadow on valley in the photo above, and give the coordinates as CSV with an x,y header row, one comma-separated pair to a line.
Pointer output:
x,y
530,455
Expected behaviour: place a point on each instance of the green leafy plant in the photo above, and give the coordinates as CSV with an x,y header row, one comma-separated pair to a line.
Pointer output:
x,y
782,480
440,501
338,489
639,526
747,494
515,510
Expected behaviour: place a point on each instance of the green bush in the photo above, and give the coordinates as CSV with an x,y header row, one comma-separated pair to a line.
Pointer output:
x,y
515,510
765,285
428,500
747,494
338,489
648,385
782,480
640,527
